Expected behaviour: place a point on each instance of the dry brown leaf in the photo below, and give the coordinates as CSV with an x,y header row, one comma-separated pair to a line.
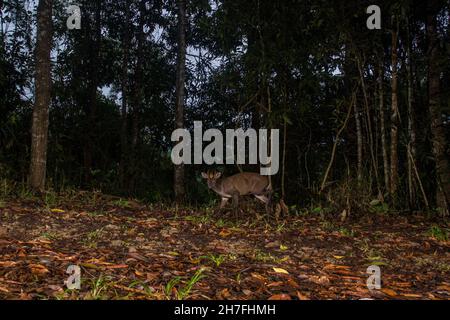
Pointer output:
x,y
225,293
293,283
335,266
323,280
247,292
444,287
275,284
301,296
389,292
224,233
258,276
4,289
7,263
38,269
412,295
281,296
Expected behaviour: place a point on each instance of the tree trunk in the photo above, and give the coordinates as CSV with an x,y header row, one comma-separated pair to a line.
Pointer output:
x,y
411,147
91,107
394,112
179,188
123,130
359,142
439,143
369,125
43,82
383,130
137,98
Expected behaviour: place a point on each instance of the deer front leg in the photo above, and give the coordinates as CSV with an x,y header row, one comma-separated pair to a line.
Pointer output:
x,y
235,197
223,202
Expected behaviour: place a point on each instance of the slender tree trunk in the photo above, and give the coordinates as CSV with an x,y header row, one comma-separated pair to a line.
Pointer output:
x,y
440,147
336,141
125,61
411,147
283,161
137,98
91,108
359,142
394,112
179,188
43,82
384,148
369,126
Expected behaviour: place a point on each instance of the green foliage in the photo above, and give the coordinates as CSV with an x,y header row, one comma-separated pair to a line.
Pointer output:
x,y
92,237
182,292
99,288
217,260
347,232
440,234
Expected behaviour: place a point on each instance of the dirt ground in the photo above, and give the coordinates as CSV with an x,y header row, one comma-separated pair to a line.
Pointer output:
x,y
127,250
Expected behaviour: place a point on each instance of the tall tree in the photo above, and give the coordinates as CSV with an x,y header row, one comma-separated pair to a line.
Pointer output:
x,y
394,110
126,43
180,92
384,149
43,82
437,130
359,143
94,34
411,147
137,95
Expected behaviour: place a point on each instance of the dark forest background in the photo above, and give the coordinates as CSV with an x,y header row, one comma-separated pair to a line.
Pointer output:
x,y
363,114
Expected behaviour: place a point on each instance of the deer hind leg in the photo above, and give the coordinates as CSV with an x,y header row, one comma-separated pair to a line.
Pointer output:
x,y
266,199
262,197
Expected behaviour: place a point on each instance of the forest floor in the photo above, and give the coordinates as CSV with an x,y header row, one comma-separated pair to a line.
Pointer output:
x,y
128,250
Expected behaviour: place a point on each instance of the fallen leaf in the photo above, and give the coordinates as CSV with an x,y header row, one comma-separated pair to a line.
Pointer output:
x,y
247,292
55,287
443,287
258,276
323,280
411,295
7,263
281,296
301,296
280,270
389,292
57,210
38,269
225,293
335,266
274,244
294,284
224,233
275,284
117,266
4,289
139,273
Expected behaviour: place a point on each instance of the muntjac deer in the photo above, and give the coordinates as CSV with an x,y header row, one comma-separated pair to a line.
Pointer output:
x,y
241,184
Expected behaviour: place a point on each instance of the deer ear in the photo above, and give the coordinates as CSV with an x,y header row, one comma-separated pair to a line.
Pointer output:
x,y
204,175
217,175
